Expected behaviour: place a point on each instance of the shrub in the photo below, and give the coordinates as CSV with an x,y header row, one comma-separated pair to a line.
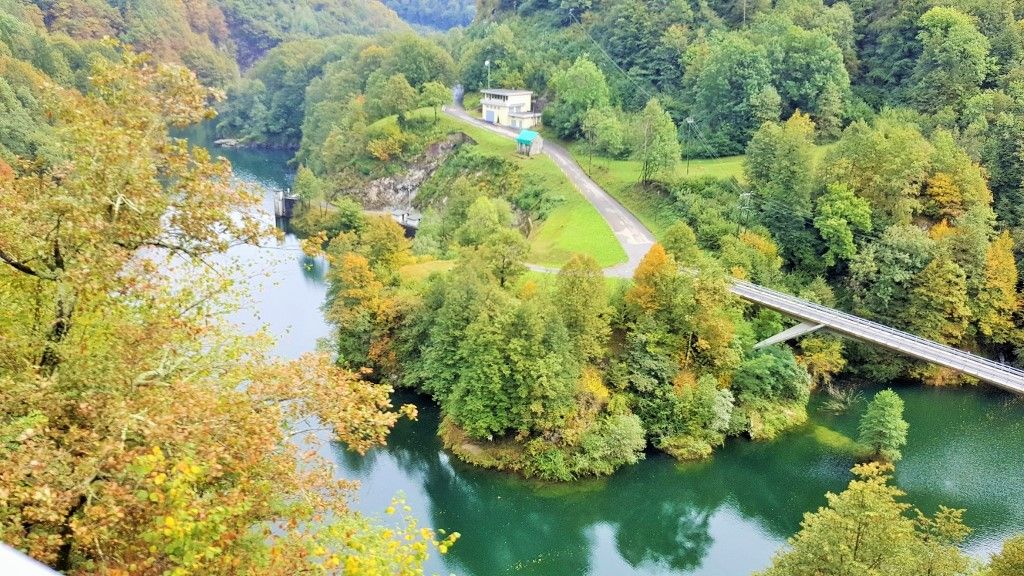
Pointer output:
x,y
613,441
686,447
772,375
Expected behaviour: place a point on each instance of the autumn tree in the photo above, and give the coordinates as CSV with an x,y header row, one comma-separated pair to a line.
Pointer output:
x,y
998,302
883,430
866,528
939,300
1010,560
679,326
365,313
884,163
162,440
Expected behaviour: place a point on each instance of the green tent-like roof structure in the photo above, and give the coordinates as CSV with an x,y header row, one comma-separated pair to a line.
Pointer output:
x,y
526,137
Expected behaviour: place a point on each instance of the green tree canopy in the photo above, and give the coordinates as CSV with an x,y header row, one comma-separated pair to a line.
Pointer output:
x,y
578,89
655,141
866,529
954,62
883,430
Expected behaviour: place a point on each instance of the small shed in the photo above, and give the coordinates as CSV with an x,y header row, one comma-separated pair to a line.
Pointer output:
x,y
529,143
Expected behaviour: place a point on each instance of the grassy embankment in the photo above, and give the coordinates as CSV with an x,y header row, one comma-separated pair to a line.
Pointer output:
x,y
573,226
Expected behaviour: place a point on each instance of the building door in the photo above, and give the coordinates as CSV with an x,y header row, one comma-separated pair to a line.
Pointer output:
x,y
489,116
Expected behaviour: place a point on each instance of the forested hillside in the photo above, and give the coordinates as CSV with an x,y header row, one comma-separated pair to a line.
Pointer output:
x,y
440,14
211,37
877,166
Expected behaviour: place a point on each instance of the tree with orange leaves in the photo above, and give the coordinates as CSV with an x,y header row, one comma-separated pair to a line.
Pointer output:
x,y
138,433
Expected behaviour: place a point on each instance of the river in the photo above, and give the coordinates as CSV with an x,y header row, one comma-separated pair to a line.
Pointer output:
x,y
723,517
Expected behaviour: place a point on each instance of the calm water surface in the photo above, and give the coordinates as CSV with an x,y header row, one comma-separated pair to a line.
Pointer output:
x,y
727,516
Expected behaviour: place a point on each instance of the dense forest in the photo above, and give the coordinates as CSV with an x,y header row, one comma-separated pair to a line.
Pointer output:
x,y
212,38
440,14
881,173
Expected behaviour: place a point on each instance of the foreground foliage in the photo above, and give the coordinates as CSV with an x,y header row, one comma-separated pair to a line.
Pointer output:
x,y
866,530
138,434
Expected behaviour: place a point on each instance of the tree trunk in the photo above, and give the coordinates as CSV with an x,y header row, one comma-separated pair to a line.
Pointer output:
x,y
49,360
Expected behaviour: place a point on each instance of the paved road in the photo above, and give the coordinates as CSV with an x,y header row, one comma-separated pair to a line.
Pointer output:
x,y
634,237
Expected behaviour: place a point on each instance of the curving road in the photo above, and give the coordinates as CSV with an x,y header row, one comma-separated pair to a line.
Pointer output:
x,y
636,240
634,237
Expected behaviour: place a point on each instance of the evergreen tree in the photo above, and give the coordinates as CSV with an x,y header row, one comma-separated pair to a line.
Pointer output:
x,y
882,428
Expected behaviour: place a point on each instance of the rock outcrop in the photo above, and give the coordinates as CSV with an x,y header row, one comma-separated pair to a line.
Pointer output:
x,y
398,191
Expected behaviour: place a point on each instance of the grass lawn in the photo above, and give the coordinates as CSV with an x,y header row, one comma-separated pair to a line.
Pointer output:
x,y
574,226
421,270
619,178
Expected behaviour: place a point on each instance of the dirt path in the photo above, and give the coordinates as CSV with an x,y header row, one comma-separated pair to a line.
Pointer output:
x,y
634,237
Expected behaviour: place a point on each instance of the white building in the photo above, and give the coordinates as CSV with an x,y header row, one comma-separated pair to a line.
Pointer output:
x,y
509,108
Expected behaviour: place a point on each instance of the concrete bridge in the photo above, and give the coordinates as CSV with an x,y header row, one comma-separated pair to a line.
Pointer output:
x,y
815,316
636,239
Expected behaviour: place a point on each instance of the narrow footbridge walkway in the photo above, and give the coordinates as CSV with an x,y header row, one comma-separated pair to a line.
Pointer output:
x,y
636,239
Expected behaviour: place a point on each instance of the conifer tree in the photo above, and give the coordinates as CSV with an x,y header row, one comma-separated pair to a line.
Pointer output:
x,y
882,428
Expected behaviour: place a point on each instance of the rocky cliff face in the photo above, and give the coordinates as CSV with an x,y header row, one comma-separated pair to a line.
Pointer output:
x,y
398,191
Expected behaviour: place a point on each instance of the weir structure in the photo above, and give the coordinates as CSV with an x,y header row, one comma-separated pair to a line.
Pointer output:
x,y
636,240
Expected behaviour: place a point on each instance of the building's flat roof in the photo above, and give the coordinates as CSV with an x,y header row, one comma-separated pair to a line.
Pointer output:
x,y
505,92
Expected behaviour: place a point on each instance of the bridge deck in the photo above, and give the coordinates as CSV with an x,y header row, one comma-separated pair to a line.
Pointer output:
x,y
999,375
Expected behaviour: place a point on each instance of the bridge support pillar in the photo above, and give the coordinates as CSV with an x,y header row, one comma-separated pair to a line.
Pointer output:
x,y
797,331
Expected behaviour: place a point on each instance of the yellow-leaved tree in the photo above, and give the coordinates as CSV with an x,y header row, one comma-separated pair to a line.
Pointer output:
x,y
138,433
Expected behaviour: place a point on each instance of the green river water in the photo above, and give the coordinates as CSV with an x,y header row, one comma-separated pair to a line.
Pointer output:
x,y
724,517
